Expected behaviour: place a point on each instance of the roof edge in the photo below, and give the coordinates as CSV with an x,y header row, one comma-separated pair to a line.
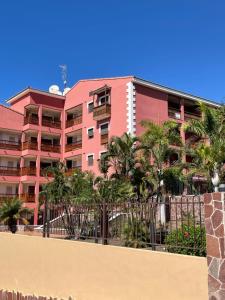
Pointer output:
x,y
32,90
13,110
174,92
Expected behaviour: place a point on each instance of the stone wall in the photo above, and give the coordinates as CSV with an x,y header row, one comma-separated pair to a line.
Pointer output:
x,y
215,222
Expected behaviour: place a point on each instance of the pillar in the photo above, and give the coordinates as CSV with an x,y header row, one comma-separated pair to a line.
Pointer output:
x,y
215,223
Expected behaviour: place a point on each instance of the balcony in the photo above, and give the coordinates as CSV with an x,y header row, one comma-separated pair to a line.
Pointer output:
x,y
104,138
74,121
10,145
102,112
191,116
70,171
5,197
9,171
28,198
31,119
29,145
51,148
73,146
46,173
174,114
28,171
51,123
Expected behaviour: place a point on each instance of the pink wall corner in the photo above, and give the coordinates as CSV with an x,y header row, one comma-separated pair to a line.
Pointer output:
x,y
11,120
79,94
150,105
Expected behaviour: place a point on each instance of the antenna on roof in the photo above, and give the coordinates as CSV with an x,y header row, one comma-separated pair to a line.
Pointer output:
x,y
64,74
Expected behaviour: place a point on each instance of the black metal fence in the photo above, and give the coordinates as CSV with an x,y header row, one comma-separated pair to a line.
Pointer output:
x,y
175,225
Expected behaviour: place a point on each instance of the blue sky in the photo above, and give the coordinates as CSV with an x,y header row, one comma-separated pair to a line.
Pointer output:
x,y
177,43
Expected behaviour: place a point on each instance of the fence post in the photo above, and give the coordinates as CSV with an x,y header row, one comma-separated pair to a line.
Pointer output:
x,y
96,226
215,227
152,226
44,220
48,221
104,224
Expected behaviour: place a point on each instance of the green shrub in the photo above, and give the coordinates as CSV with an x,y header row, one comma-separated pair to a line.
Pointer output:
x,y
189,240
135,234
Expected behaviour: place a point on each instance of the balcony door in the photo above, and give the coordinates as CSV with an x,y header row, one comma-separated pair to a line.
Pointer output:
x,y
31,190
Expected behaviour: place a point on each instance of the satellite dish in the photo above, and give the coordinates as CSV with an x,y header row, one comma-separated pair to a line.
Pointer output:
x,y
66,90
54,89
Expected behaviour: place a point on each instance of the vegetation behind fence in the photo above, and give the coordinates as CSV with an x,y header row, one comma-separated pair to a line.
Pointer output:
x,y
175,225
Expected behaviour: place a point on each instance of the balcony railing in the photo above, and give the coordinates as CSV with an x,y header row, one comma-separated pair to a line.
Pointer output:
x,y
9,171
28,171
174,114
104,138
70,171
102,112
27,197
51,123
75,121
191,116
45,172
31,120
51,148
73,146
10,145
29,145
4,197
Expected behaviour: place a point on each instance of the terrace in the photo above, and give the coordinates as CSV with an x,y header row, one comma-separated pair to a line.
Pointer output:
x,y
74,141
51,118
74,116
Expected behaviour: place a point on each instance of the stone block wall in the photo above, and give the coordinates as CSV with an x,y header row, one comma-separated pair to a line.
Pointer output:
x,y
215,223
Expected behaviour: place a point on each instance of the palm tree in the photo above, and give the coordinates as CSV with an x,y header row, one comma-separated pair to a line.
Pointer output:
x,y
212,124
11,212
160,142
209,153
121,156
58,190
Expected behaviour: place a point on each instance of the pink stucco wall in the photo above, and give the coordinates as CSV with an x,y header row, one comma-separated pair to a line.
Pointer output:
x,y
79,94
10,119
150,105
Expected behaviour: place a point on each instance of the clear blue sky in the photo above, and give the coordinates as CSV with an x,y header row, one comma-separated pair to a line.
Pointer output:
x,y
176,43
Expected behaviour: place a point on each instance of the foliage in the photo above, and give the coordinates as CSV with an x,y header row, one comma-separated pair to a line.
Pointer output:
x,y
135,234
209,152
158,142
121,156
58,190
11,212
112,190
188,239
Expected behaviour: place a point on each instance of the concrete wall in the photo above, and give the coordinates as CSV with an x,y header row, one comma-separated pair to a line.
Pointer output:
x,y
33,265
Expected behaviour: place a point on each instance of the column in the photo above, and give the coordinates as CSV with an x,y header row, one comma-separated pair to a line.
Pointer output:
x,y
36,202
62,138
215,223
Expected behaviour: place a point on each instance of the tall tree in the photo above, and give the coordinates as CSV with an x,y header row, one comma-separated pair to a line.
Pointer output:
x,y
209,152
160,142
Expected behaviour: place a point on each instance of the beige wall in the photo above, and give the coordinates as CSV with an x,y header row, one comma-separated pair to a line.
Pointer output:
x,y
85,271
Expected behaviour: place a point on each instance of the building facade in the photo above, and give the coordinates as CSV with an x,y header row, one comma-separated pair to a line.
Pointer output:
x,y
39,129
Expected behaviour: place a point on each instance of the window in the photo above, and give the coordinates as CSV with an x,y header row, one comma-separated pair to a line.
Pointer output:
x,y
90,160
103,99
102,154
12,138
9,190
90,133
104,128
10,164
90,107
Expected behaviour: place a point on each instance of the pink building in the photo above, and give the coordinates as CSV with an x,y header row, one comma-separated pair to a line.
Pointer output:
x,y
41,128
